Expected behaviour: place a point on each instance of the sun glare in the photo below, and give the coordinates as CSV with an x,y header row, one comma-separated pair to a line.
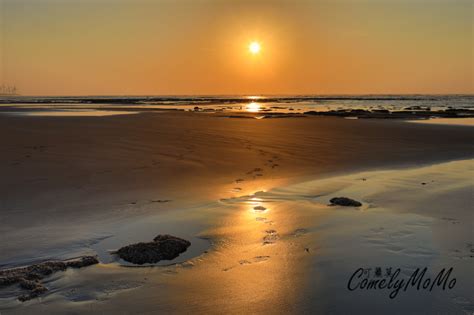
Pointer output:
x,y
254,47
253,107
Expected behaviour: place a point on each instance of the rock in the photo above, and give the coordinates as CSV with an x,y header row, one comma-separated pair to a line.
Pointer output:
x,y
29,277
28,284
36,292
345,202
163,247
82,262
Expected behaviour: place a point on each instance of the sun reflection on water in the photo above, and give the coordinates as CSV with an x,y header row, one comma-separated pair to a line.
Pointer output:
x,y
253,107
256,205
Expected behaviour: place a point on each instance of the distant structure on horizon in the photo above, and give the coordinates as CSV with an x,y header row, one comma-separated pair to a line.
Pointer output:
x,y
8,90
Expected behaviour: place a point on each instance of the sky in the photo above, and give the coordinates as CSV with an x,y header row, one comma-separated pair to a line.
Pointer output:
x,y
188,47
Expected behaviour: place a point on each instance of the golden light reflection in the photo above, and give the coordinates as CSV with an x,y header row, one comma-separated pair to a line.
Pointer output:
x,y
254,97
256,205
253,107
243,264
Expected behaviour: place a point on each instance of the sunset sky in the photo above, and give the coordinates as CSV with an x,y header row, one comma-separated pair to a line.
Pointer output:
x,y
145,47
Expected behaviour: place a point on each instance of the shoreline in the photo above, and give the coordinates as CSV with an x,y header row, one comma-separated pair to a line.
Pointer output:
x,y
245,110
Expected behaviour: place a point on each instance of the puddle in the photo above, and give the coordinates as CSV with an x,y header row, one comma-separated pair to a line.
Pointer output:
x,y
144,230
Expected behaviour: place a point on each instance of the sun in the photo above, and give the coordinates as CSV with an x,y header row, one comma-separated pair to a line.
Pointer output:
x,y
254,48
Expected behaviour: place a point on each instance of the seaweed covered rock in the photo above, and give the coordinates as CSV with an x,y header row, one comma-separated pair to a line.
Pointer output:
x,y
345,202
80,262
34,293
163,247
29,277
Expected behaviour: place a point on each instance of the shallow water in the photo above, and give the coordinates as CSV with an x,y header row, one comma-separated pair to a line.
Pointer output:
x,y
176,223
446,121
47,112
286,250
252,104
306,251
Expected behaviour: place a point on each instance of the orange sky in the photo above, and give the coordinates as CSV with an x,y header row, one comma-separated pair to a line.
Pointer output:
x,y
145,47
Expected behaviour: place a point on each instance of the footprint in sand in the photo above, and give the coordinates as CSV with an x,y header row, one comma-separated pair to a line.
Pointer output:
x,y
239,180
270,163
244,262
236,189
255,170
257,259
271,237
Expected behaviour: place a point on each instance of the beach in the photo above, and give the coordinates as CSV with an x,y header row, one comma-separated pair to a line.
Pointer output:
x,y
251,195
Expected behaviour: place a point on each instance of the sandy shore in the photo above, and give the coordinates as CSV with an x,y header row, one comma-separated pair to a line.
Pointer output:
x,y
77,185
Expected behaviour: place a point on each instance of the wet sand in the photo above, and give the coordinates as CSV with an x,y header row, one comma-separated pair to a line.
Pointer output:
x,y
82,185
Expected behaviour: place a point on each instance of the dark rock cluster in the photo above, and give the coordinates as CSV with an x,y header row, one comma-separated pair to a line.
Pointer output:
x,y
29,277
415,112
163,247
345,202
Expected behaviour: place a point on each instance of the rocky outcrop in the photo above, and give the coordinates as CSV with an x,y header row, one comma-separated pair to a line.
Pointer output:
x,y
29,277
345,202
163,247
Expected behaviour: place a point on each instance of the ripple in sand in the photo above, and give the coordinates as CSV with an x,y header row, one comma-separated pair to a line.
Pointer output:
x,y
451,220
466,304
463,253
